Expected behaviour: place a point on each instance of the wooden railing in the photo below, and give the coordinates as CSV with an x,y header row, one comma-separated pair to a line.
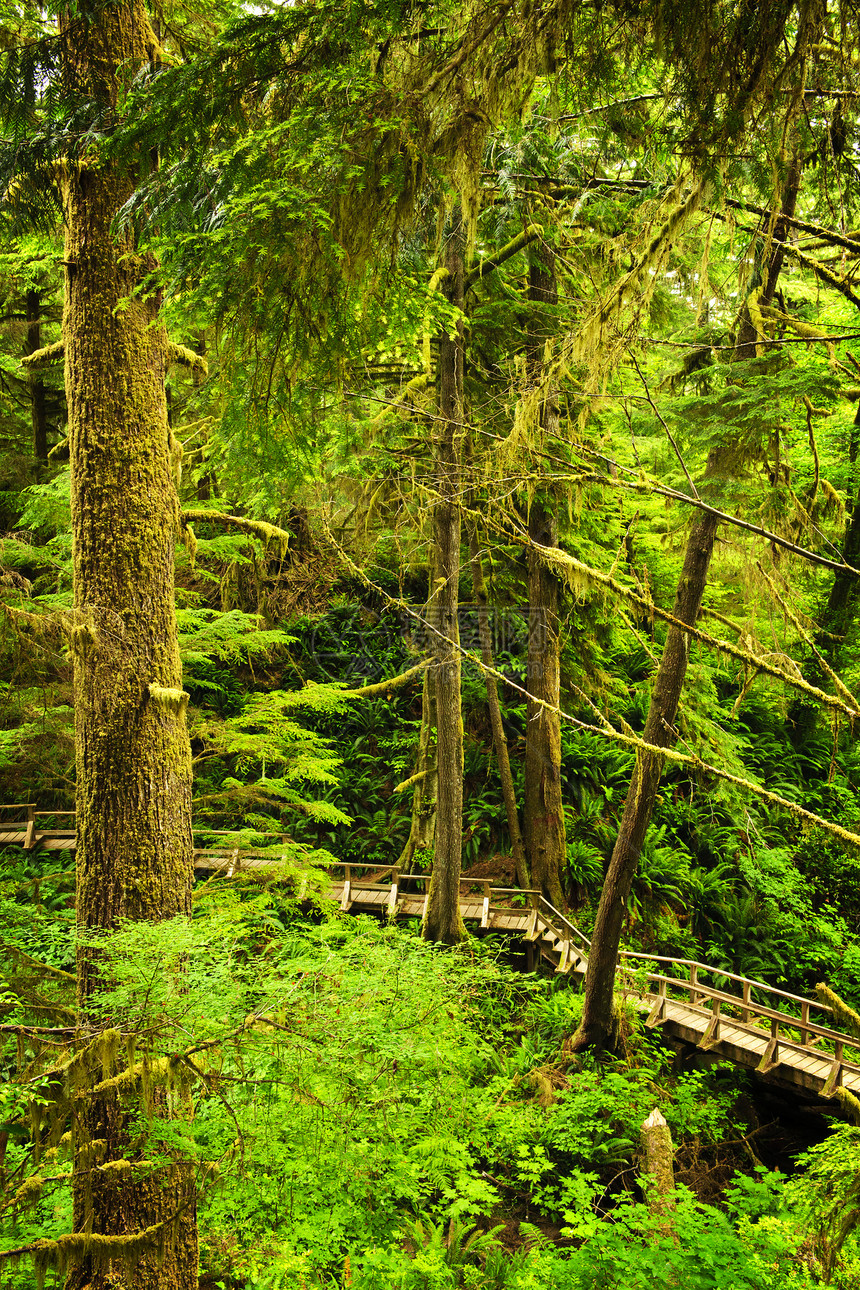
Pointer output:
x,y
26,815
352,887
783,1021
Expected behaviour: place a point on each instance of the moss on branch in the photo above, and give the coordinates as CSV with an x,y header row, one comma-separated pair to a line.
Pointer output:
x,y
254,528
46,356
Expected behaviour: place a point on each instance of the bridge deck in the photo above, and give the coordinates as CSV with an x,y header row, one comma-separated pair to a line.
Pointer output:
x,y
783,1037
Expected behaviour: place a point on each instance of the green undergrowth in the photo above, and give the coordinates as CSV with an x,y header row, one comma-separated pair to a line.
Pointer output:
x,y
370,1111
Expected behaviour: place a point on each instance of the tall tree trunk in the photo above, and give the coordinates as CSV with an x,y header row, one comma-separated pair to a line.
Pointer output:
x,y
38,402
836,618
443,921
134,848
500,742
422,830
596,1027
543,817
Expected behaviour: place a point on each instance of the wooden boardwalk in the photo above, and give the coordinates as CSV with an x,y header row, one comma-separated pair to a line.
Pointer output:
x,y
785,1038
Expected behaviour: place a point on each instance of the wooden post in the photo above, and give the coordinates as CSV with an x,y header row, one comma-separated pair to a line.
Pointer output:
x,y
694,980
392,898
745,1010
711,1037
804,1022
658,1165
346,897
31,828
771,1053
485,909
658,1011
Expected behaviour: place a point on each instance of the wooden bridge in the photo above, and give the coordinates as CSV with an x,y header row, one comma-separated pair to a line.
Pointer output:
x,y
783,1037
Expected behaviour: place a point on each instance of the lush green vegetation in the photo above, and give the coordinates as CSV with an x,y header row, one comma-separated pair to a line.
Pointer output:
x,y
558,281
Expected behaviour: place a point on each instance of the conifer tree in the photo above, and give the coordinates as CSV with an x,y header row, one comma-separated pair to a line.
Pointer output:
x,y
134,1225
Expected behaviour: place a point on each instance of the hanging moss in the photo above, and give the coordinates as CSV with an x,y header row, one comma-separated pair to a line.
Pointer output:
x,y
170,698
847,1018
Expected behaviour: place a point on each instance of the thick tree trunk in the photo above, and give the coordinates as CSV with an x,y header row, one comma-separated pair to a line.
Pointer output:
x,y
500,742
38,402
134,849
443,921
597,1026
543,816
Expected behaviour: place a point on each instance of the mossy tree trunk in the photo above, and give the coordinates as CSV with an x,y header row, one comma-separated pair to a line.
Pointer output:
x,y
597,1026
134,848
38,401
494,707
443,921
543,816
422,830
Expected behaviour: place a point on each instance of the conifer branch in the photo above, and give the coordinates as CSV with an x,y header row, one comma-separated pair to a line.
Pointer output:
x,y
649,486
185,357
815,230
483,269
560,559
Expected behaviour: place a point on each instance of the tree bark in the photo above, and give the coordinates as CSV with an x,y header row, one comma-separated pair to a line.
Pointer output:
x,y
134,849
38,402
656,1138
543,816
500,741
443,921
597,1026
422,830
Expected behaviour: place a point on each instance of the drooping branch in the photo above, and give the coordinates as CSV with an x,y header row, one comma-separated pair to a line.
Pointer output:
x,y
577,569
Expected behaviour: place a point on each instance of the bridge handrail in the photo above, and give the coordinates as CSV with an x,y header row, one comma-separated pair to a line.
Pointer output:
x,y
564,922
803,1024
837,1038
730,976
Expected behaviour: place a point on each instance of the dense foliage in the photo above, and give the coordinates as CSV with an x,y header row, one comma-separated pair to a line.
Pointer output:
x,y
657,315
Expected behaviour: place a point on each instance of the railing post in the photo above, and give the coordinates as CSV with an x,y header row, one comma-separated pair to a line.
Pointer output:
x,y
771,1053
29,837
658,1011
834,1079
694,981
346,897
745,1010
804,1022
532,932
485,909
712,1031
392,899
